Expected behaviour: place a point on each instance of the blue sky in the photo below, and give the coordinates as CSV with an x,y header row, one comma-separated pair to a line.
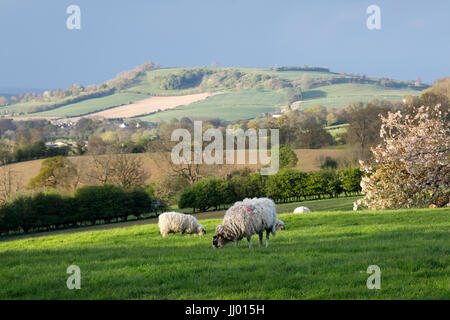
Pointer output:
x,y
38,51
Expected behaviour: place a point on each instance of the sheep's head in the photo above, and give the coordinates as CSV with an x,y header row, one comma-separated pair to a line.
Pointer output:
x,y
280,225
201,230
219,239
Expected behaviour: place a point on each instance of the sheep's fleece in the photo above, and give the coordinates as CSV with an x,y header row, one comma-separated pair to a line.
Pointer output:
x,y
173,222
267,208
248,217
301,210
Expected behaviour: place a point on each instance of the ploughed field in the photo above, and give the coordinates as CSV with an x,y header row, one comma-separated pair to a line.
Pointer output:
x,y
320,255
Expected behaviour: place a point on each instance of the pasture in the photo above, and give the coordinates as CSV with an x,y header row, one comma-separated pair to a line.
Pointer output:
x,y
321,255
228,106
93,105
339,95
150,105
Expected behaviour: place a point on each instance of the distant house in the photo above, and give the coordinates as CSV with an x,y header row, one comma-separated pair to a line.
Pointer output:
x,y
59,144
123,125
277,114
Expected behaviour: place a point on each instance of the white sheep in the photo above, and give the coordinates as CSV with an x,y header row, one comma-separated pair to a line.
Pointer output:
x,y
173,222
263,205
280,225
246,218
301,210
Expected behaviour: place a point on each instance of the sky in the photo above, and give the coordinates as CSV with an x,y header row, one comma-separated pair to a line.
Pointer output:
x,y
37,50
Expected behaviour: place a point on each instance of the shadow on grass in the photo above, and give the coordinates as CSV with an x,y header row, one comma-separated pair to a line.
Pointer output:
x,y
313,94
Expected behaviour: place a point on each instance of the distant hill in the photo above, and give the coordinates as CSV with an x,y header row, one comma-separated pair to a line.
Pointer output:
x,y
244,93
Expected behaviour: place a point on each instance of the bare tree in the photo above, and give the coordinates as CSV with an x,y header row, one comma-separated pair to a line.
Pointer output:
x,y
123,170
100,169
10,182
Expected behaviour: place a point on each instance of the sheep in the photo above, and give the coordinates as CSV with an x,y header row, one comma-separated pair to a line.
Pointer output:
x,y
280,225
173,222
301,210
246,218
263,205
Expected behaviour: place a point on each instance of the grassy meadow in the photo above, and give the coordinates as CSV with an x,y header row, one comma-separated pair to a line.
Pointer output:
x,y
93,105
339,95
320,255
228,106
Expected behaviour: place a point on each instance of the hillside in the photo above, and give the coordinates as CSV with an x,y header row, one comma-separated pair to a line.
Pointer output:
x,y
245,93
321,255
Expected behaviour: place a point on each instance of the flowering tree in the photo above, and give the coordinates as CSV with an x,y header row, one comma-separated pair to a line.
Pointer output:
x,y
410,168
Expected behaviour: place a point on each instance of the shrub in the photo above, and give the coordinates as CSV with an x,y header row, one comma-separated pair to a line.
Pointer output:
x,y
286,185
50,209
101,202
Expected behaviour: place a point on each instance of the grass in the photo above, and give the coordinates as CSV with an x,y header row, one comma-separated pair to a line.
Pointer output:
x,y
321,255
337,130
288,75
336,204
148,83
229,106
93,105
28,105
339,95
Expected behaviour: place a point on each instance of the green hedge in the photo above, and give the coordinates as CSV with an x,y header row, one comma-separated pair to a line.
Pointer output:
x,y
286,185
88,205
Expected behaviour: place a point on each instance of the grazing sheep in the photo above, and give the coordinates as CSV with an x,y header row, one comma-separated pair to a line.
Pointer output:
x,y
173,222
301,210
280,225
246,218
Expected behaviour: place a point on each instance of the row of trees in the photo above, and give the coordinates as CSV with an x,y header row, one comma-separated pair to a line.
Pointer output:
x,y
88,205
286,185
35,150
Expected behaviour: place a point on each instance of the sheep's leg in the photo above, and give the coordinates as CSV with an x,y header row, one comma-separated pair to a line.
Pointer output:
x,y
260,239
249,242
267,238
236,243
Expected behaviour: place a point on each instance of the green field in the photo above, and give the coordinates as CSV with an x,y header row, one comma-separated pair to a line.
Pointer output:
x,y
93,105
339,95
288,75
337,130
229,106
148,83
321,255
26,106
